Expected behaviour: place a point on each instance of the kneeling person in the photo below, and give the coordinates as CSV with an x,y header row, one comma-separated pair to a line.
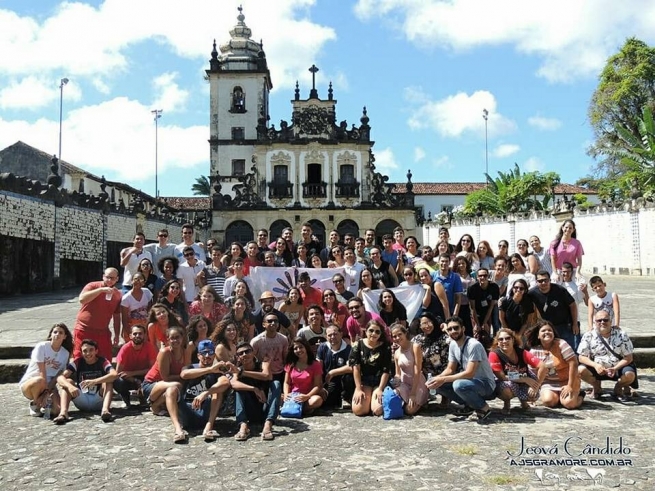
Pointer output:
x,y
203,391
88,382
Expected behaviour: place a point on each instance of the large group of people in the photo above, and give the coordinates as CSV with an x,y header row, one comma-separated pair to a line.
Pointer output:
x,y
196,343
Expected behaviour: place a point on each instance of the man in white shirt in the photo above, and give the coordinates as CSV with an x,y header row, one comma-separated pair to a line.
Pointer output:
x,y
190,274
187,241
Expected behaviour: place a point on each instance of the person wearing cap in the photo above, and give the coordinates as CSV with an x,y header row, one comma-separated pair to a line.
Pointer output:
x,y
205,383
267,306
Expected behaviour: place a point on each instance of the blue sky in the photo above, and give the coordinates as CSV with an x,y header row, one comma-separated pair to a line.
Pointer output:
x,y
425,70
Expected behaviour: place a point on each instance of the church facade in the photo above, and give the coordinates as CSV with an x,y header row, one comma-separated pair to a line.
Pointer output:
x,y
311,169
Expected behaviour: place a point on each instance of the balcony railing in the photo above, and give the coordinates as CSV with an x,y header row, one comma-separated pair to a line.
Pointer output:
x,y
280,190
347,189
314,190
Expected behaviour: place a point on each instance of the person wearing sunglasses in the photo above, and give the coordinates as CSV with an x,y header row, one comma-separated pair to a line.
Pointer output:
x,y
190,273
257,396
606,353
510,365
517,310
187,241
160,249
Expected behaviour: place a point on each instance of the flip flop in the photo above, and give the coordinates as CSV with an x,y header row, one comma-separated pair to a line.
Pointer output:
x,y
180,437
106,417
61,420
242,436
210,436
267,435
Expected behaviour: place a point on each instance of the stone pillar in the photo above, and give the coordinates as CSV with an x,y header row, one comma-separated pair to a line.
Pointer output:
x,y
511,219
56,270
636,249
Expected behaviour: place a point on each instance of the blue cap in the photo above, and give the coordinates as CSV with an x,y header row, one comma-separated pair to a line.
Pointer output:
x,y
206,347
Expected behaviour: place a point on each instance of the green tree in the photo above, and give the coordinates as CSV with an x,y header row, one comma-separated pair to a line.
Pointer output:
x,y
202,187
626,85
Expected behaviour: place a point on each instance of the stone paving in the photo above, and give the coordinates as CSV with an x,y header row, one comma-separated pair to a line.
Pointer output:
x,y
433,450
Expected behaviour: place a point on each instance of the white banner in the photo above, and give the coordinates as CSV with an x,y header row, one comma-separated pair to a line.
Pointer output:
x,y
411,296
281,280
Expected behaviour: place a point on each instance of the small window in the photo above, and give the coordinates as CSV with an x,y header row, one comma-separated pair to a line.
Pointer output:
x,y
280,174
238,133
238,100
447,208
238,167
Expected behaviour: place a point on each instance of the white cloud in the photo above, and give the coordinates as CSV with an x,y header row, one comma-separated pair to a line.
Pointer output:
x,y
102,36
545,124
572,39
457,114
170,97
533,164
33,93
419,154
385,161
505,150
442,163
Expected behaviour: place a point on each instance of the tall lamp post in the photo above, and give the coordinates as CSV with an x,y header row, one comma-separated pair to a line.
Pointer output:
x,y
485,115
63,82
157,113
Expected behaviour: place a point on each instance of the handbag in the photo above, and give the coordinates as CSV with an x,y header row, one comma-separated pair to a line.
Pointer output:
x,y
635,382
291,408
392,404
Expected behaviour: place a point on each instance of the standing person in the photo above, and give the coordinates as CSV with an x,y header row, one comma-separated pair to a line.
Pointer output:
x,y
252,259
409,276
468,378
334,238
167,266
556,305
100,304
483,297
135,305
561,384
408,359
365,282
283,255
542,254
427,259
412,252
131,257
369,241
384,275
312,246
518,270
303,381
337,374
302,259
294,310
435,299
49,358
371,362
133,362
88,382
566,248
603,300
486,255
451,283
390,309
577,291
335,258
510,365
517,310
239,275
503,249
360,256
214,273
399,239
172,298
530,260
190,272
160,249
187,241
466,247
204,385
272,347
262,241
257,396
390,255
463,268
499,276
149,279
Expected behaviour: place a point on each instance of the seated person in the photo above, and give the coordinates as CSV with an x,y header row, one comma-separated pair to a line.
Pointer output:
x,y
88,381
205,384
304,376
606,354
257,394
133,362
337,374
561,384
49,358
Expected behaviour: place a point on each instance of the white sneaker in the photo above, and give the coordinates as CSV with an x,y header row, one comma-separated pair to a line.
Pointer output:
x,y
35,410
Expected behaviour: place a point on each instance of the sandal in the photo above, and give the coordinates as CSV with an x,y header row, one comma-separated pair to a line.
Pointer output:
x,y
267,435
242,436
180,437
210,435
61,420
106,417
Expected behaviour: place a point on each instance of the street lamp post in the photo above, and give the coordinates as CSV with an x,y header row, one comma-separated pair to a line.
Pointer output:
x,y
485,115
63,82
157,113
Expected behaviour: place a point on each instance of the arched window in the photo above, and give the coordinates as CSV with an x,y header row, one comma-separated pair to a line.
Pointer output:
x,y
348,227
318,229
383,228
238,231
238,100
276,229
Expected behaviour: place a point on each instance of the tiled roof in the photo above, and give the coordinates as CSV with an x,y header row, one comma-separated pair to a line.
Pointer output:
x,y
427,188
185,203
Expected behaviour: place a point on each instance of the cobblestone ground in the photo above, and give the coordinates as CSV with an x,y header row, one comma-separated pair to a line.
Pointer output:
x,y
433,450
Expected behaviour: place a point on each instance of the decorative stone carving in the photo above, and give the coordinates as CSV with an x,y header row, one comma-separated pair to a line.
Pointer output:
x,y
314,121
346,158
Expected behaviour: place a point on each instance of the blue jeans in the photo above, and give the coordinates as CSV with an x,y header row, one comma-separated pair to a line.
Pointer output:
x,y
473,393
194,419
249,409
565,332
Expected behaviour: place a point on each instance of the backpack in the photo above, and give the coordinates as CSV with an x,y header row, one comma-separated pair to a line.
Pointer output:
x,y
392,404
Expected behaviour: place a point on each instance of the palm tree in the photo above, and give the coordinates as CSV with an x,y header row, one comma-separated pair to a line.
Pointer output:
x,y
638,153
202,187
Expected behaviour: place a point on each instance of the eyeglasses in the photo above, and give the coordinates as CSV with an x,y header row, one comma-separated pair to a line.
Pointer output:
x,y
502,340
244,352
543,280
206,353
374,331
271,321
453,328
163,235
187,233
145,265
191,254
603,321
466,240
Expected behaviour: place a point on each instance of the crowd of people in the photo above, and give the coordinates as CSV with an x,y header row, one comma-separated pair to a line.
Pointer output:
x,y
195,344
